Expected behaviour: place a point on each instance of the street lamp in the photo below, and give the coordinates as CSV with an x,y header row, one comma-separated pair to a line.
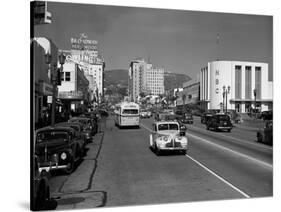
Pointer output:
x,y
255,95
225,92
55,75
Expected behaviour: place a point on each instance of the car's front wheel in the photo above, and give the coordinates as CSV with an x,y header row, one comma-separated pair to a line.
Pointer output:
x,y
71,166
157,150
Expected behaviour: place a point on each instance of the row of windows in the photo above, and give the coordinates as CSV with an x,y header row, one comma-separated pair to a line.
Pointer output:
x,y
248,81
65,76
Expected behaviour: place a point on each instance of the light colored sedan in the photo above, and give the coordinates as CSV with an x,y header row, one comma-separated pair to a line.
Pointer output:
x,y
166,136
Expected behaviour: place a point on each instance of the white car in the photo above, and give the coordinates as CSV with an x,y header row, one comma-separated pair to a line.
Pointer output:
x,y
166,136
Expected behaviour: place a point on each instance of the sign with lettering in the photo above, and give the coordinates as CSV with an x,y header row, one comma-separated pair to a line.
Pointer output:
x,y
217,81
83,43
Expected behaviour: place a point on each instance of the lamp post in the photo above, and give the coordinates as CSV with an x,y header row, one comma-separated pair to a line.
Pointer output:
x,y
225,92
223,95
55,77
255,95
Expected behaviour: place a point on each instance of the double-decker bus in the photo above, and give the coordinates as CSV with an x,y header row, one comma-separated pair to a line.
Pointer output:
x,y
127,114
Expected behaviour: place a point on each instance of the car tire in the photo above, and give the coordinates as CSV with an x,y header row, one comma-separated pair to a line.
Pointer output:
x,y
157,150
71,167
229,130
207,127
184,152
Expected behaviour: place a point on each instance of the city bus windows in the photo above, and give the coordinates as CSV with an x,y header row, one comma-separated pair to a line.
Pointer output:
x,y
130,111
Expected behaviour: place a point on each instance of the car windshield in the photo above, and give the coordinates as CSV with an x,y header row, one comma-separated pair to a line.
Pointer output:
x,y
130,111
223,118
50,136
167,127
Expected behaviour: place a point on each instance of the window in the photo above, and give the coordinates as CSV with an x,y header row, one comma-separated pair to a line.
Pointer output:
x,y
238,82
248,82
67,76
258,82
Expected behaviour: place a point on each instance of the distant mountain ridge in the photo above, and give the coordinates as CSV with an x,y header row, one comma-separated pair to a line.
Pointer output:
x,y
119,77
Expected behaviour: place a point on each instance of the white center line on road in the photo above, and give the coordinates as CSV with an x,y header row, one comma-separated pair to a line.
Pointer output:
x,y
210,171
225,148
219,177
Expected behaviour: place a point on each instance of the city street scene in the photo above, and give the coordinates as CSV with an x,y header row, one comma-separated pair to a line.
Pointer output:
x,y
137,106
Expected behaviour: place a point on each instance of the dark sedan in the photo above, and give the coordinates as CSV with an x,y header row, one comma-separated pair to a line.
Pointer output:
x,y
219,122
58,148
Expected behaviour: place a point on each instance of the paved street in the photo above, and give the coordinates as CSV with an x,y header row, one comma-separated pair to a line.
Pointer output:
x,y
120,169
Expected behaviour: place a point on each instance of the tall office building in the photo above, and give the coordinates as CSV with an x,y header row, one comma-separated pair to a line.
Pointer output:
x,y
146,78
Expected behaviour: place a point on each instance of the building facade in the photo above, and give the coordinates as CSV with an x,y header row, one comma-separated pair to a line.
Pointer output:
x,y
73,91
240,80
43,88
191,90
144,78
154,80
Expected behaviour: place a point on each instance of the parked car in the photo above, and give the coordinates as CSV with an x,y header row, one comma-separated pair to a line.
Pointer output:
x,y
187,118
265,135
87,126
78,127
166,137
94,116
205,117
40,198
219,122
266,115
58,148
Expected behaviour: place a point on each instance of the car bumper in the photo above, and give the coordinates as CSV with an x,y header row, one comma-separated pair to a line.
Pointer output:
x,y
224,128
173,148
53,167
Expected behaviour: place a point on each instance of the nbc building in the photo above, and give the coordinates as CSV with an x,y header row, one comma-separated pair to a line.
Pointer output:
x,y
240,86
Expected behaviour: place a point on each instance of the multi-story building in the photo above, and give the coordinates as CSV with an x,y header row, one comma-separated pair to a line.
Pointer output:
x,y
97,72
43,88
246,86
73,91
144,77
191,91
155,80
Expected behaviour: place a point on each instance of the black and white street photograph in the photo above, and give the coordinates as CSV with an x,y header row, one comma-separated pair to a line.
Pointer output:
x,y
147,106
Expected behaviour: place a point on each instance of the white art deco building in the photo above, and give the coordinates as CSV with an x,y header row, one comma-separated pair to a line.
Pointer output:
x,y
242,78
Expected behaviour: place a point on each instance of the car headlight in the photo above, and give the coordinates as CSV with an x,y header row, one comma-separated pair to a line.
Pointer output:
x,y
165,138
63,156
179,138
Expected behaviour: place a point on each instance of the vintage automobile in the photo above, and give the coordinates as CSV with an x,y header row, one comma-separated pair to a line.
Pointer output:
x,y
78,127
87,126
166,136
95,117
205,117
187,118
40,195
265,135
58,148
144,114
219,122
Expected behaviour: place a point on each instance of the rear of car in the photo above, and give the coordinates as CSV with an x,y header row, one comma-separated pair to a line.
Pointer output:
x,y
219,122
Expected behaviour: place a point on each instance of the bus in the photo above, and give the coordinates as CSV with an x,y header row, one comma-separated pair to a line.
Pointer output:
x,y
127,114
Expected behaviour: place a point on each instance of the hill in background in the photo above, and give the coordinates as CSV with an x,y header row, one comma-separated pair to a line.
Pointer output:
x,y
119,78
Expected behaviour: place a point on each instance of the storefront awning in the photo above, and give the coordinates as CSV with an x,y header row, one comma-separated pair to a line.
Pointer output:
x,y
71,95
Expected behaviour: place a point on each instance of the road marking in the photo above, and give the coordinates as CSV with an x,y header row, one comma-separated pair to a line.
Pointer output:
x,y
219,177
225,148
210,171
240,140
232,151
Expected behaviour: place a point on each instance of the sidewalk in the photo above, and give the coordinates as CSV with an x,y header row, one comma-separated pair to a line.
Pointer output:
x,y
251,124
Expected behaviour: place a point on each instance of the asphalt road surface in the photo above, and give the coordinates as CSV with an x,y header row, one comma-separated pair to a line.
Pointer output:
x,y
120,169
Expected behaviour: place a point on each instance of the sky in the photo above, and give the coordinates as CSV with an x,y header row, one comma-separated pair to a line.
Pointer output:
x,y
180,41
